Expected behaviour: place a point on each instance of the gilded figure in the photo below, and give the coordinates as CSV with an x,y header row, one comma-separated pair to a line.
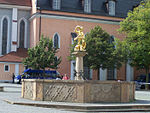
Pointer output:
x,y
81,44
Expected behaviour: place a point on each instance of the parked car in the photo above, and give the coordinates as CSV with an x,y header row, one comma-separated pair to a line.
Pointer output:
x,y
36,74
141,81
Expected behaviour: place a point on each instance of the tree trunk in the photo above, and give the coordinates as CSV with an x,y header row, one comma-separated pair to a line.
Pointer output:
x,y
147,79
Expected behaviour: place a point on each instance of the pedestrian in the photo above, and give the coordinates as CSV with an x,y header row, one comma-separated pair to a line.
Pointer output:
x,y
13,78
65,77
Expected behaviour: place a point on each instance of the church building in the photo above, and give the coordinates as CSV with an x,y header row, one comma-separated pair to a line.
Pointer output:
x,y
22,22
58,18
14,36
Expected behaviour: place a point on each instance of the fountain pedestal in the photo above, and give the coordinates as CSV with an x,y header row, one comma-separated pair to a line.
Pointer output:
x,y
79,64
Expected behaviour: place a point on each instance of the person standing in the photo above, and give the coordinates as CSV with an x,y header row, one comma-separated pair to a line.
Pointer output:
x,y
13,78
65,77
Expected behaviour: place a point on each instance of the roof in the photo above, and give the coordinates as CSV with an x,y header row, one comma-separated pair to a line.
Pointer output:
x,y
16,2
15,56
98,6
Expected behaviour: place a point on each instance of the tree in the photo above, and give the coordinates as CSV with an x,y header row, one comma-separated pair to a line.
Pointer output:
x,y
137,43
101,52
42,55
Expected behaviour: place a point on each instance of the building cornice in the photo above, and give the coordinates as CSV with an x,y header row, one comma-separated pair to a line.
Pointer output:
x,y
76,18
15,6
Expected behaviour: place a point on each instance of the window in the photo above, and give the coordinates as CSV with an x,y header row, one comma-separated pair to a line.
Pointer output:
x,y
111,9
87,6
4,36
56,61
56,41
87,73
56,4
22,34
110,74
6,68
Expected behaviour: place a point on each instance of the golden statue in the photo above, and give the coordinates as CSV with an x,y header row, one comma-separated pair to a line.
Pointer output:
x,y
81,45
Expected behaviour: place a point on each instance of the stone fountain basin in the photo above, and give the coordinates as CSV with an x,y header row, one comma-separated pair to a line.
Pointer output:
x,y
78,91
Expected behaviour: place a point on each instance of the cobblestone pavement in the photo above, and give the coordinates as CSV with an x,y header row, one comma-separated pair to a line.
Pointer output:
x,y
13,91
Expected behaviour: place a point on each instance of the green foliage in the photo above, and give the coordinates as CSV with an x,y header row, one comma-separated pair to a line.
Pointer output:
x,y
42,55
72,57
101,50
137,29
137,26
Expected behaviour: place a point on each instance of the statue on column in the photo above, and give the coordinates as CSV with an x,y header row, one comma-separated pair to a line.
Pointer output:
x,y
79,52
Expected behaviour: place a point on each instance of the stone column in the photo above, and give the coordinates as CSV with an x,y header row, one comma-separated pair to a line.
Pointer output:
x,y
79,64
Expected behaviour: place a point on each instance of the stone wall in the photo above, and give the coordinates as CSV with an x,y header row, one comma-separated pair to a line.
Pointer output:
x,y
78,91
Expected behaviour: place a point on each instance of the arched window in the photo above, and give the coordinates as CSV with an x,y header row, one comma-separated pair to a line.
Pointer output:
x,y
22,34
56,41
111,72
4,36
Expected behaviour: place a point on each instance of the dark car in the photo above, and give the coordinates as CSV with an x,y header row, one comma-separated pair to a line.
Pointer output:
x,y
141,81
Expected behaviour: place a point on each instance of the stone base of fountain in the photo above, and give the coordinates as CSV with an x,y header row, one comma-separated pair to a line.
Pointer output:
x,y
78,91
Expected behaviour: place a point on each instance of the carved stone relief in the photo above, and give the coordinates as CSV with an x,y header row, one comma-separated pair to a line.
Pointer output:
x,y
28,90
60,92
107,92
